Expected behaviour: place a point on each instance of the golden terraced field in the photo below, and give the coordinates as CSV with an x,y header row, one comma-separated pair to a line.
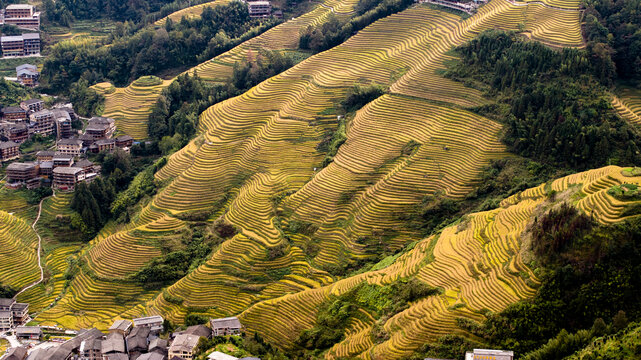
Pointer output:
x,y
190,12
477,263
255,164
627,102
130,106
263,143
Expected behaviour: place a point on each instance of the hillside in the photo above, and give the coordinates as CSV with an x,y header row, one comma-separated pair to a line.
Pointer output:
x,y
130,106
298,214
238,171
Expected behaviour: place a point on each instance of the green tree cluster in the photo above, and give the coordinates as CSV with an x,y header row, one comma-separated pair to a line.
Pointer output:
x,y
555,103
150,51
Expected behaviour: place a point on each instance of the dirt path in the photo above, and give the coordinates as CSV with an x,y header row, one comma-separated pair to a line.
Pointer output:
x,y
33,226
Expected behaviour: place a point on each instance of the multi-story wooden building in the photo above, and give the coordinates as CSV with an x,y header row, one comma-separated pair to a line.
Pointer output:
x,y
20,45
28,75
14,114
19,173
32,105
69,147
22,15
66,178
42,122
100,128
9,150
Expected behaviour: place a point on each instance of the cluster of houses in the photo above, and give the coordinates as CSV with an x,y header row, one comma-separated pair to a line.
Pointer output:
x,y
64,167
23,16
126,340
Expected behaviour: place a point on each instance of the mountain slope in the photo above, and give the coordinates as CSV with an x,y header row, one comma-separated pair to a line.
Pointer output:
x,y
304,226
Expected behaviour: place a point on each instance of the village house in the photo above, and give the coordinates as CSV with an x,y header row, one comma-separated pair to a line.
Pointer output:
x,y
138,341
62,160
32,105
123,141
17,132
9,150
20,312
22,15
217,355
16,353
198,330
64,126
103,145
66,178
69,146
123,327
114,343
225,326
485,354
6,320
20,45
12,313
45,155
152,356
46,169
159,346
42,122
154,323
18,174
184,346
28,332
100,127
90,349
259,9
27,75
14,114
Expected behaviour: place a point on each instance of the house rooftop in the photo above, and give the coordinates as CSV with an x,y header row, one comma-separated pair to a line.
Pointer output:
x,y
33,101
105,141
18,166
62,157
492,352
19,7
224,323
11,38
46,153
115,342
124,138
123,325
7,145
16,353
28,330
26,66
184,342
152,356
20,306
67,170
70,142
116,356
217,355
6,302
30,36
13,109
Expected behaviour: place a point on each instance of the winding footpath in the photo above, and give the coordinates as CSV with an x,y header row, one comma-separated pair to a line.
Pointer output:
x,y
33,226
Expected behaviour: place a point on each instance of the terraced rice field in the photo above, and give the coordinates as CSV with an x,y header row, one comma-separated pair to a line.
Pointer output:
x,y
478,264
264,143
627,102
192,11
130,106
18,245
